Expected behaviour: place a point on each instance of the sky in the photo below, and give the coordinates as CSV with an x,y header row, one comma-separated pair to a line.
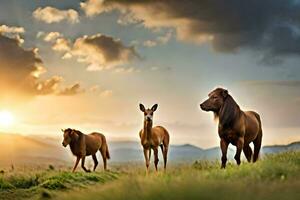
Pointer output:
x,y
88,64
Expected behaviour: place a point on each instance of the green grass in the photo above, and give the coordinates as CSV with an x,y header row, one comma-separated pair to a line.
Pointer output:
x,y
273,177
44,183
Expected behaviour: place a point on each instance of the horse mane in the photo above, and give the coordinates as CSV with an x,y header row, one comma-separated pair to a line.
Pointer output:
x,y
229,112
75,141
79,133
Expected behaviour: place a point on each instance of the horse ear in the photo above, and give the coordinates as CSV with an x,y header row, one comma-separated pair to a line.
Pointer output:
x,y
154,107
142,107
225,93
63,130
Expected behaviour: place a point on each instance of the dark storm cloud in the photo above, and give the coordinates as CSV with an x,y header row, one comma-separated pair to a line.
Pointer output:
x,y
19,68
20,71
270,26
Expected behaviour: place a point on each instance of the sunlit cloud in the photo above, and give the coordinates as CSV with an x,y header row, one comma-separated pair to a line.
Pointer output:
x,y
102,52
98,51
51,36
11,29
61,44
92,7
53,15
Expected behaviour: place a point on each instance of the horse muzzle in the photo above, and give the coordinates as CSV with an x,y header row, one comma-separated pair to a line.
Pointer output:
x,y
203,107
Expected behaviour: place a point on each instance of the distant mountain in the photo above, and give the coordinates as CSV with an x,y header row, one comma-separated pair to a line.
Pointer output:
x,y
281,148
132,151
18,149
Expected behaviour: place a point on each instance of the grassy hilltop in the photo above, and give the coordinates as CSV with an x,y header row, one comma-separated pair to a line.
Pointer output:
x,y
273,177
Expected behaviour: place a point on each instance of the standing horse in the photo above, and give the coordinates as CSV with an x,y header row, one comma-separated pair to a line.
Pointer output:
x,y
83,145
152,137
235,126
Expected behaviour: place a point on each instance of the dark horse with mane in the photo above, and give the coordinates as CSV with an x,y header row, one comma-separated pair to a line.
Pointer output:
x,y
237,127
83,145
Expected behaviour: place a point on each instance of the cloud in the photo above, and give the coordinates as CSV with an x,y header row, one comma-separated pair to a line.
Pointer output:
x,y
159,40
102,92
21,70
269,26
126,70
48,86
19,74
53,15
92,7
127,18
51,36
11,29
71,90
97,51
102,52
165,38
61,44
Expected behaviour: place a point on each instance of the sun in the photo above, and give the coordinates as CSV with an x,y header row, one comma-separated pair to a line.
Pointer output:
x,y
6,118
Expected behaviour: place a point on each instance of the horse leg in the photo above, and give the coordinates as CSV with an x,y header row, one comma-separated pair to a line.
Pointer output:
x,y
82,165
95,161
165,155
224,146
239,147
146,155
155,149
248,152
162,147
165,148
103,154
257,145
76,163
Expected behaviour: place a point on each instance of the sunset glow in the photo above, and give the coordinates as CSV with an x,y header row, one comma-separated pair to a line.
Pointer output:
x,y
88,64
6,118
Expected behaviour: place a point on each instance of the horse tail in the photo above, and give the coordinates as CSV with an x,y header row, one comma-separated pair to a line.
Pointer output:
x,y
107,153
106,148
258,140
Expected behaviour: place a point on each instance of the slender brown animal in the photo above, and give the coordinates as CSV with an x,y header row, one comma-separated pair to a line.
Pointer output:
x,y
83,145
152,137
235,126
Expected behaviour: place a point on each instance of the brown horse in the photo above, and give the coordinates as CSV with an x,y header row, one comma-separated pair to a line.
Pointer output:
x,y
152,137
83,145
235,126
